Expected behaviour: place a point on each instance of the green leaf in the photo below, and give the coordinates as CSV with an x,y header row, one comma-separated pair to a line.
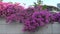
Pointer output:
x,y
35,4
39,2
44,7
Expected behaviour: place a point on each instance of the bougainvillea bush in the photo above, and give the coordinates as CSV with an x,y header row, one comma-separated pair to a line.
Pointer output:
x,y
57,17
31,17
38,19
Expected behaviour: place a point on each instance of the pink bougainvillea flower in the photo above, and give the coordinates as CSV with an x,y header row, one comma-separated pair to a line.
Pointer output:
x,y
2,6
31,17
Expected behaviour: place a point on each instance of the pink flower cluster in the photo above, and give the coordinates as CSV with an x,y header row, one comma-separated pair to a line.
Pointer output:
x,y
38,19
56,17
31,17
6,9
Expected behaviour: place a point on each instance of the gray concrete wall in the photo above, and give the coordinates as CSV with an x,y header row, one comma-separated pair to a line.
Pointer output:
x,y
17,28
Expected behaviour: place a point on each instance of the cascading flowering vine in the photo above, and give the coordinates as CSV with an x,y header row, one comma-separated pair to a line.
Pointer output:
x,y
31,17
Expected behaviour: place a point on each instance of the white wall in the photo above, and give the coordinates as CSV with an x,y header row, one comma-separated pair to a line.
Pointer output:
x,y
17,28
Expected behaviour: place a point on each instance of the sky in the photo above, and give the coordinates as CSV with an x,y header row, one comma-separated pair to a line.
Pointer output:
x,y
30,2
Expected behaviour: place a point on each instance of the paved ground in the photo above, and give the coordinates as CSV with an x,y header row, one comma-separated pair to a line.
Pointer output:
x,y
17,28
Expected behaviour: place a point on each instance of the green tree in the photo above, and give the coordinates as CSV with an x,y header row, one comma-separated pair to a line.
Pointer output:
x,y
44,7
39,2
